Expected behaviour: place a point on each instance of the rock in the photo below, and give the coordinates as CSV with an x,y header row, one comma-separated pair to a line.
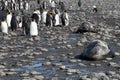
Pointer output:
x,y
73,60
39,77
44,49
117,54
37,38
81,64
2,73
79,43
47,63
71,70
2,67
96,50
62,67
99,76
34,73
24,75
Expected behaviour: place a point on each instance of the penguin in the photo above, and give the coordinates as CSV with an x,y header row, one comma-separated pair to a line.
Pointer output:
x,y
65,18
14,23
8,18
49,19
38,13
33,28
4,26
56,18
43,16
36,17
26,24
62,6
53,4
20,23
95,10
44,5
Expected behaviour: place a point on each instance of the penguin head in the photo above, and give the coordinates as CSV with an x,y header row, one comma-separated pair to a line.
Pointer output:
x,y
8,11
50,12
65,10
94,6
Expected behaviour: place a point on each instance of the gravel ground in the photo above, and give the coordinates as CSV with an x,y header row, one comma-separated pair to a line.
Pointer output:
x,y
51,55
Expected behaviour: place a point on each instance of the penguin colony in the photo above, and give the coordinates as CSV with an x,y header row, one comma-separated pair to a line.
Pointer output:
x,y
21,14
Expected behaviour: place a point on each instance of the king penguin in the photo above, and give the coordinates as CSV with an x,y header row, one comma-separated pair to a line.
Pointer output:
x,y
37,11
65,18
8,18
56,18
95,9
33,28
49,19
43,16
14,23
26,24
4,26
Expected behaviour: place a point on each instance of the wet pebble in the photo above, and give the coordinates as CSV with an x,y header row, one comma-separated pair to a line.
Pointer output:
x,y
108,59
62,67
2,73
69,46
37,38
79,43
2,67
117,54
34,73
47,63
73,60
71,70
113,64
84,39
57,64
24,75
39,77
82,65
44,49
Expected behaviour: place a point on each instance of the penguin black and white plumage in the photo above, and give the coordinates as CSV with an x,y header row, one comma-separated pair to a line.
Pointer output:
x,y
4,26
95,9
44,5
33,28
20,23
49,19
35,17
8,18
62,6
56,18
52,4
43,16
65,18
26,5
38,13
14,23
26,24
